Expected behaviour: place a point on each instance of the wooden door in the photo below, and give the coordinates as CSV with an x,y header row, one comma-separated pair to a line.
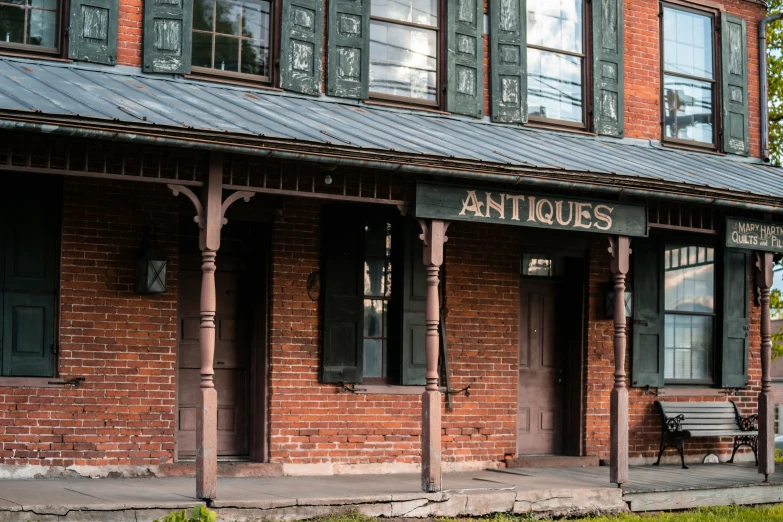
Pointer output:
x,y
542,367
232,356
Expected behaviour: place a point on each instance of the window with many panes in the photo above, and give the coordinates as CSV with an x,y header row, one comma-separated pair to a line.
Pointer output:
x,y
404,38
29,24
232,37
377,297
689,102
556,60
689,322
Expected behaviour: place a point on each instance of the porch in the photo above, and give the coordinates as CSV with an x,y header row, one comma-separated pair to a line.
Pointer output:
x,y
546,492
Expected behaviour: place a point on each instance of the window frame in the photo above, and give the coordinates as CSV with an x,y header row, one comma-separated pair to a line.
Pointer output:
x,y
60,37
208,73
714,16
440,61
679,241
587,75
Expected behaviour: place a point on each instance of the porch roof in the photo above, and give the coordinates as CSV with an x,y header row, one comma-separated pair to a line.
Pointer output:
x,y
125,101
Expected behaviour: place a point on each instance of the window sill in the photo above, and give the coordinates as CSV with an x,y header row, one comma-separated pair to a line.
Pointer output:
x,y
403,105
697,391
16,53
691,148
29,382
538,124
390,389
241,82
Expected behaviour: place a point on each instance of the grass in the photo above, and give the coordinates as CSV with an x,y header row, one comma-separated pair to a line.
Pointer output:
x,y
717,514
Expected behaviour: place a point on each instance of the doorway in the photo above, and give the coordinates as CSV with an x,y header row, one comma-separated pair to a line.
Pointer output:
x,y
240,355
550,357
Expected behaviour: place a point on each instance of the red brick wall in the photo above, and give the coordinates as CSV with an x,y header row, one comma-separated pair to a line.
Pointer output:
x,y
315,423
122,343
645,421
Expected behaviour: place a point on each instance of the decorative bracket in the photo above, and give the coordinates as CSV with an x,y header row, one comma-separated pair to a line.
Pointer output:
x,y
620,250
239,194
199,217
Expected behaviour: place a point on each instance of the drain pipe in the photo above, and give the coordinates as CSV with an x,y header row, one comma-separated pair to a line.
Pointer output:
x,y
763,84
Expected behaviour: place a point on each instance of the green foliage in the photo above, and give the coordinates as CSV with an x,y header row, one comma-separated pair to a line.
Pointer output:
x,y
775,79
778,456
198,514
776,303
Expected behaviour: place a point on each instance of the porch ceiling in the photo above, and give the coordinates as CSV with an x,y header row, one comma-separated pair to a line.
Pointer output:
x,y
126,102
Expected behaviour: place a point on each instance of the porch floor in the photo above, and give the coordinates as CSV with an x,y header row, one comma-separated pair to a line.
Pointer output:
x,y
546,492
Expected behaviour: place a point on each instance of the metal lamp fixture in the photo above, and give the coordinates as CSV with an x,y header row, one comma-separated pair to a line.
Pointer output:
x,y
628,298
150,268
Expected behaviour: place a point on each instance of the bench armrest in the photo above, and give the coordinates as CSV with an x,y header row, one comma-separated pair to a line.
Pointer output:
x,y
673,424
747,423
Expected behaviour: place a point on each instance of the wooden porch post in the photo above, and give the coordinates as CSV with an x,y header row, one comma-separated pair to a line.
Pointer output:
x,y
766,442
434,236
618,456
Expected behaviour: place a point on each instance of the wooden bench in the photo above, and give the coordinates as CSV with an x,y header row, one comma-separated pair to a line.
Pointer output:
x,y
687,420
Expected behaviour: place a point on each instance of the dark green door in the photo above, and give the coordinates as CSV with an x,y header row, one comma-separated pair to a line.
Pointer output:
x,y
29,230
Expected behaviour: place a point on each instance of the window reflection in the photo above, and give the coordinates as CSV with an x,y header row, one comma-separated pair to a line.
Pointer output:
x,y
422,12
231,35
377,293
555,59
689,301
688,76
403,61
32,22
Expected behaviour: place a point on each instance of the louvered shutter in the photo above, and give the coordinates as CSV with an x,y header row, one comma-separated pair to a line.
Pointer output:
x,y
736,294
301,46
348,65
343,294
734,54
608,103
414,325
647,349
465,51
167,34
92,36
508,60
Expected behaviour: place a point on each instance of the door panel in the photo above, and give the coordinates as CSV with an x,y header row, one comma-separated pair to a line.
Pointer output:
x,y
28,334
232,357
542,363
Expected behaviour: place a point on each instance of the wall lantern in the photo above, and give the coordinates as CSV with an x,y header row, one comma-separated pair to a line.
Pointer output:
x,y
610,301
150,271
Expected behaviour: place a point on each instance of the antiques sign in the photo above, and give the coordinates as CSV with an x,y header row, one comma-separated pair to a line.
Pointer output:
x,y
455,203
754,235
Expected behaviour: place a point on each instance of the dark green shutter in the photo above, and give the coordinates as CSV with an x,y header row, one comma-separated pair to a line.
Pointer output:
x,y
736,296
167,32
465,51
414,325
648,318
343,296
608,103
734,69
508,60
301,46
92,36
28,281
349,49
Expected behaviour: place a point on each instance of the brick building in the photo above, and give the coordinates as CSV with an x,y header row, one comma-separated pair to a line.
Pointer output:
x,y
215,213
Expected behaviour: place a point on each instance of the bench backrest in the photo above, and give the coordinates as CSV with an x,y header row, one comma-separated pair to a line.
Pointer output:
x,y
702,416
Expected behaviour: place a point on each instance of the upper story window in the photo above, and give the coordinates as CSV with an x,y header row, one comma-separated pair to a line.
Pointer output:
x,y
29,24
232,37
556,60
688,76
404,37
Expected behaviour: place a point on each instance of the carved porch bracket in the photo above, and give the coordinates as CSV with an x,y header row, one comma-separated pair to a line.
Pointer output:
x,y
766,399
236,196
182,189
619,249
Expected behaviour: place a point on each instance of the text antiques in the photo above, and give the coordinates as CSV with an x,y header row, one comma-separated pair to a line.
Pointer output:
x,y
456,203
754,235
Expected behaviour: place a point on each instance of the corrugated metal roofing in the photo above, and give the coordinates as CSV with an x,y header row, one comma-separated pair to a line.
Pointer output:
x,y
126,95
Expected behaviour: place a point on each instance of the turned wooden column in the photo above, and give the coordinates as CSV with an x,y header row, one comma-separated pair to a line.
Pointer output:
x,y
434,236
766,400
618,456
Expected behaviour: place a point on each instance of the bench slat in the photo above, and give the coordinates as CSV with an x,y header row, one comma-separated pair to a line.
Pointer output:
x,y
722,433
709,427
723,420
698,406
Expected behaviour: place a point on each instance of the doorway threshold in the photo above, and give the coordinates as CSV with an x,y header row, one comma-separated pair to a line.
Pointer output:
x,y
551,461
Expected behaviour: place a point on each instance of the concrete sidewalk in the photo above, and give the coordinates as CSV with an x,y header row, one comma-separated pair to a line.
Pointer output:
x,y
295,498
